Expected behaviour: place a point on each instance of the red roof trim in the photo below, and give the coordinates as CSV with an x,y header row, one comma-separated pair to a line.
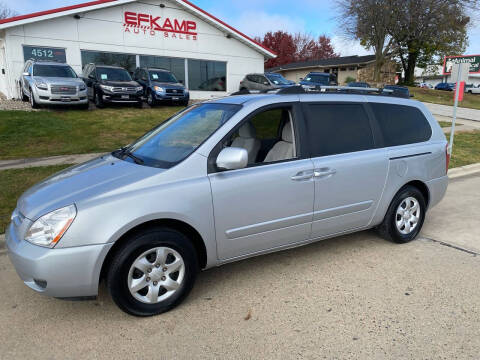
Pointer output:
x,y
99,2
228,26
54,11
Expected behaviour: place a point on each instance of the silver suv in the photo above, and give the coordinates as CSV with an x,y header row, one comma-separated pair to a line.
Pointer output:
x,y
52,83
225,180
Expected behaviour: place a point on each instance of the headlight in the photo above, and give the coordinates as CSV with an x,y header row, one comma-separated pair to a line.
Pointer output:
x,y
41,85
49,228
82,87
159,89
106,87
139,88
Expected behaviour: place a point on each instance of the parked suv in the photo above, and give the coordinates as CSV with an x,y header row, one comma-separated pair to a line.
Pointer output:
x,y
315,79
225,180
111,84
161,85
266,81
52,83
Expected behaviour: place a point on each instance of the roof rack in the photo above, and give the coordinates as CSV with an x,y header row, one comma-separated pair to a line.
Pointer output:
x,y
302,89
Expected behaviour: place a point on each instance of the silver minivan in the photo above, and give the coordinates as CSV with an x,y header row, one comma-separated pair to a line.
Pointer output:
x,y
225,180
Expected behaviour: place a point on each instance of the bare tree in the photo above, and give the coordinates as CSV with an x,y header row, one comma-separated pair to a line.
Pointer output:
x,y
6,12
369,22
414,31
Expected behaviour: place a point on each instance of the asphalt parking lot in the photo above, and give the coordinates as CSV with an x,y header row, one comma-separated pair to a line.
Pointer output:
x,y
355,296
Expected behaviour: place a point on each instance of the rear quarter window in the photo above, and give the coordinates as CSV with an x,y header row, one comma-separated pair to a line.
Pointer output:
x,y
338,129
401,125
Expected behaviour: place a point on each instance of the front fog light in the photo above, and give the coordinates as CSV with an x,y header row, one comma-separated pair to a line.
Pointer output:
x,y
49,228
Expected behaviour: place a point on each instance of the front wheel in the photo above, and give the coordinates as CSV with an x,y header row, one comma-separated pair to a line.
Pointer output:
x,y
98,100
405,216
153,272
33,103
150,99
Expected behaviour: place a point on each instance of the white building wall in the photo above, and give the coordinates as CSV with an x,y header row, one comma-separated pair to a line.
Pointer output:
x,y
103,30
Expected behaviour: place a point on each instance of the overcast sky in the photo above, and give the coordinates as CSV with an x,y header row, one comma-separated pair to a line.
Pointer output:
x,y
255,17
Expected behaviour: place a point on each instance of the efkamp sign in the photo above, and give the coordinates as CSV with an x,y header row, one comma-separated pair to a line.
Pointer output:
x,y
473,60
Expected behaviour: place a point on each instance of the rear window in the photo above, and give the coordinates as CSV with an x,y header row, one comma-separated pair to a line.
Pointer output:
x,y
401,125
338,128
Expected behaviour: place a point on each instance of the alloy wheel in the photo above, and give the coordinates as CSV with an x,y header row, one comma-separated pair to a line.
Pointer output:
x,y
156,275
407,215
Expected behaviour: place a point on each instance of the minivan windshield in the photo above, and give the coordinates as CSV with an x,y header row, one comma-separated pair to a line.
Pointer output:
x,y
317,78
162,76
54,71
113,74
277,79
178,137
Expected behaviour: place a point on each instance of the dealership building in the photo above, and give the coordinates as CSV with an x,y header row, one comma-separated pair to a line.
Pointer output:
x,y
209,56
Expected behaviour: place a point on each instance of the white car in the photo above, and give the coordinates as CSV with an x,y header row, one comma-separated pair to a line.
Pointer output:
x,y
475,89
426,86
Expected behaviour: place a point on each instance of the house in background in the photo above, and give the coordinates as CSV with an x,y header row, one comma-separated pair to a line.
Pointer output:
x,y
360,68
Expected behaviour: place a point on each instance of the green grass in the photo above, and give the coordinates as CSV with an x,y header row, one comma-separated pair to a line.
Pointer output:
x,y
445,97
14,182
26,134
466,148
447,124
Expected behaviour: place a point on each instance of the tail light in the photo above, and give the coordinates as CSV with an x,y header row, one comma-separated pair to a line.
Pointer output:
x,y
447,158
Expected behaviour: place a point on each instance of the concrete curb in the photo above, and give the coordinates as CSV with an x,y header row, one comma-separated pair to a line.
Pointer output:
x,y
446,110
464,171
47,161
454,173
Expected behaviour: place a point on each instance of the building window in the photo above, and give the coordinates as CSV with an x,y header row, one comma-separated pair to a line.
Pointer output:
x,y
207,75
44,53
174,65
127,61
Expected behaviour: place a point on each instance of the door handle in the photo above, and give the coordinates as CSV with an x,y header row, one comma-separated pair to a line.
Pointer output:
x,y
324,172
303,175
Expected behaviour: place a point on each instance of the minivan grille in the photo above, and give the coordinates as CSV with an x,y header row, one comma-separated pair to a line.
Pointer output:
x,y
63,89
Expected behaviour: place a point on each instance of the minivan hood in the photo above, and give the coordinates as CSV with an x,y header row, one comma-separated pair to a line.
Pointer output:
x,y
96,178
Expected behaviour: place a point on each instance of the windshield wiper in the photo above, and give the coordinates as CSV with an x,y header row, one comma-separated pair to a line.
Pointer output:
x,y
125,152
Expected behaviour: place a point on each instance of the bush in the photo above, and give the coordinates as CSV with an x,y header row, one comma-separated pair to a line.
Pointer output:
x,y
350,79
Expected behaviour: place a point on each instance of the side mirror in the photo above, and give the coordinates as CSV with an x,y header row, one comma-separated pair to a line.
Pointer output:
x,y
232,158
26,74
91,76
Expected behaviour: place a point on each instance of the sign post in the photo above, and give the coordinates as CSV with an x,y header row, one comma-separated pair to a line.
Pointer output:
x,y
459,74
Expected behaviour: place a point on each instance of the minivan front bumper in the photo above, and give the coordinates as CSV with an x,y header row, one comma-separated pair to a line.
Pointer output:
x,y
63,272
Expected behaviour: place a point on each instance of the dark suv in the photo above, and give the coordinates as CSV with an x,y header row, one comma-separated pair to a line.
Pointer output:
x,y
314,79
160,85
111,84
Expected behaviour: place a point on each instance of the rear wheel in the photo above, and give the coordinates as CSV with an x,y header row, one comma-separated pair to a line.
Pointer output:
x,y
153,272
405,216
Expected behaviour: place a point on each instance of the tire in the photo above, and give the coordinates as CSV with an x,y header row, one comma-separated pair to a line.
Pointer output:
x,y
122,273
391,228
150,99
98,100
25,98
33,103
